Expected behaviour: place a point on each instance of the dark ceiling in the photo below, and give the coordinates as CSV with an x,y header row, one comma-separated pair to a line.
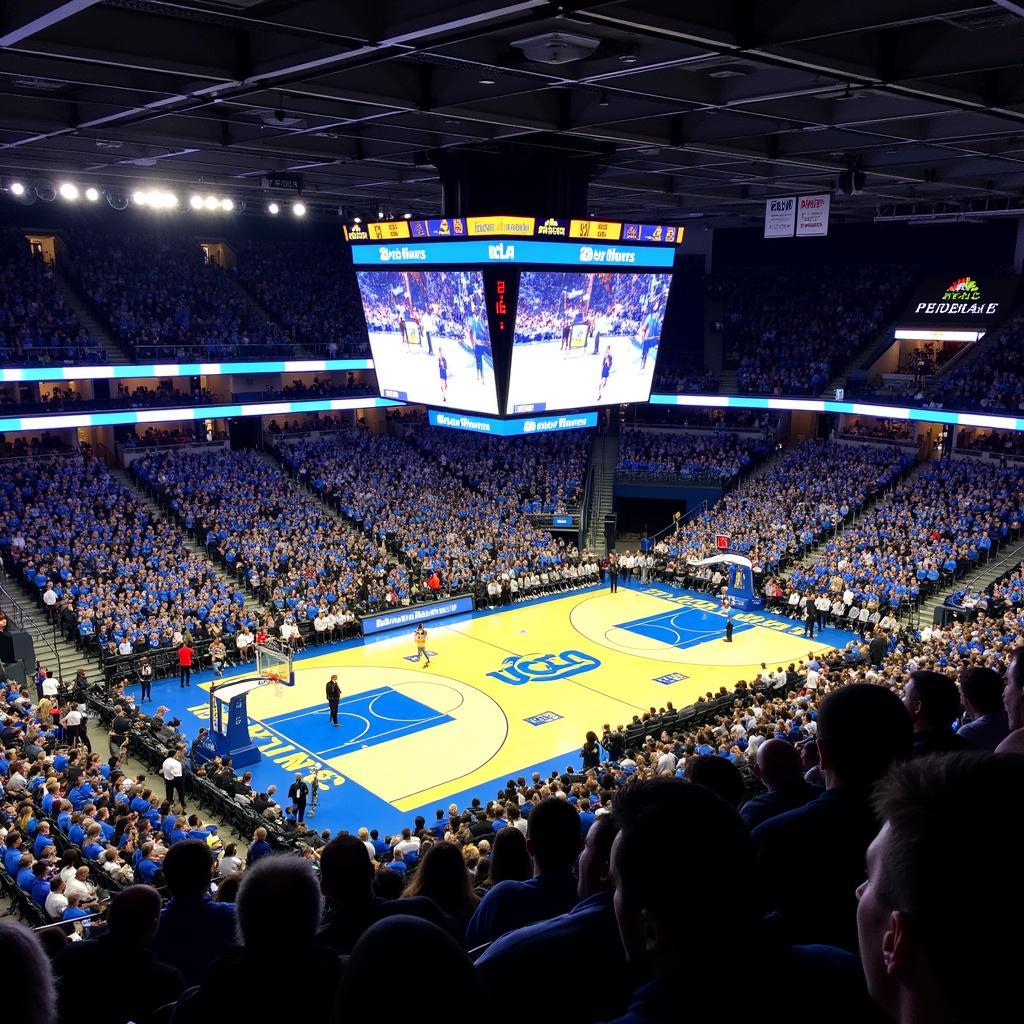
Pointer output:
x,y
692,107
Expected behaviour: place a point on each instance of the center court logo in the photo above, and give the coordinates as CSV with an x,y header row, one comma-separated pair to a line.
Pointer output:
x,y
543,668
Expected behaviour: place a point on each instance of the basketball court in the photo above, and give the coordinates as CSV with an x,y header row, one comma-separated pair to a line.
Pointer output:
x,y
506,693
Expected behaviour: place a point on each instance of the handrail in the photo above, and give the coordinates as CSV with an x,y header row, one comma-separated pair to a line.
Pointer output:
x,y
26,623
586,509
689,514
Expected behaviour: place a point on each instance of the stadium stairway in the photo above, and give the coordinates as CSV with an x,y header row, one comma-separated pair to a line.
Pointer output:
x,y
604,455
1006,559
59,656
113,353
727,383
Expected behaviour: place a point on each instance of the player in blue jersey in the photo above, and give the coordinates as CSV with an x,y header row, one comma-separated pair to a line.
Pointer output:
x,y
606,369
442,372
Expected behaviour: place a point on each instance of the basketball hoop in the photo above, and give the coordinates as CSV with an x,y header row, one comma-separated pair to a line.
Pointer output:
x,y
274,678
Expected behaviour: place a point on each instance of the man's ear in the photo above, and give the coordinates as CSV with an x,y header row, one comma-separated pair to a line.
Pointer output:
x,y
824,759
651,931
896,945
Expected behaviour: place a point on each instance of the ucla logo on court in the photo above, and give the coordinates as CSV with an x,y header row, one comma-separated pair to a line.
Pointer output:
x,y
543,668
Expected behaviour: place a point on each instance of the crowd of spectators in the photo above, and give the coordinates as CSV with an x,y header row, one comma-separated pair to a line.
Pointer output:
x,y
113,575
406,501
542,473
162,299
881,767
36,325
673,380
790,330
310,289
775,515
160,437
297,557
932,527
872,428
705,419
659,455
991,380
1001,442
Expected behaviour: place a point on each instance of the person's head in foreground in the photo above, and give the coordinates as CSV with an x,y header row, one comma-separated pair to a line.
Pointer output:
x,y
932,949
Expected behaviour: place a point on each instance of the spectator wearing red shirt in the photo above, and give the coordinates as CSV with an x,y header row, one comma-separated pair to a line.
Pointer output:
x,y
434,583
185,665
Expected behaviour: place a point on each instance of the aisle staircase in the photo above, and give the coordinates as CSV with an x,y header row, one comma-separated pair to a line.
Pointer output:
x,y
113,353
1004,560
604,454
59,656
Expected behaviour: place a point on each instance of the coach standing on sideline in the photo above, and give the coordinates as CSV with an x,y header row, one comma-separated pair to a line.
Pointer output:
x,y
613,574
333,696
298,794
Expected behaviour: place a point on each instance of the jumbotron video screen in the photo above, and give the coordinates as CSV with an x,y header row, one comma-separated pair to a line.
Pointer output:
x,y
585,339
429,337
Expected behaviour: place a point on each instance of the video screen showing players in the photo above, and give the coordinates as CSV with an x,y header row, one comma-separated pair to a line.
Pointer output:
x,y
429,337
585,339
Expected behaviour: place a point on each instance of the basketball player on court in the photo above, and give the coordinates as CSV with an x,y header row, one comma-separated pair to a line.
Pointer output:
x,y
421,645
442,372
606,369
477,331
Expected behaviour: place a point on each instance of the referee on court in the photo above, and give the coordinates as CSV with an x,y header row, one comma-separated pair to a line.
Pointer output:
x,y
333,696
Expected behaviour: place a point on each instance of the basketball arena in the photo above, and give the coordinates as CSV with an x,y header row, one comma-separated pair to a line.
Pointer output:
x,y
502,488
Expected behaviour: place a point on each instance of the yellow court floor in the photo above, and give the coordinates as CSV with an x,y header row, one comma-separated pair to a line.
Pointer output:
x,y
508,691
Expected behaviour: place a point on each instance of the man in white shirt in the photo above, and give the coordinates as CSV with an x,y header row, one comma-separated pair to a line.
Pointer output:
x,y
56,903
320,626
667,761
364,837
171,771
408,843
428,325
244,642
49,596
50,687
125,648
74,729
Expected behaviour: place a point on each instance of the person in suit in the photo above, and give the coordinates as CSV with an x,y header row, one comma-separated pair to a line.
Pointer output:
x,y
333,696
298,794
613,575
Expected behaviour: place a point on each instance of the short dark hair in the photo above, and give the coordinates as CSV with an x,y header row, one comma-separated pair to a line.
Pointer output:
x,y
188,868
278,896
666,813
946,811
939,697
863,728
719,775
983,687
553,829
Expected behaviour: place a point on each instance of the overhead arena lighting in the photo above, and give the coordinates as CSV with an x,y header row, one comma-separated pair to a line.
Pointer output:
x,y
196,202
155,199
92,194
227,205
211,202
16,188
273,209
68,191
299,209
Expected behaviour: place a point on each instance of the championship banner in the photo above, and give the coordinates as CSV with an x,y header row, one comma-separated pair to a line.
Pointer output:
x,y
780,217
812,215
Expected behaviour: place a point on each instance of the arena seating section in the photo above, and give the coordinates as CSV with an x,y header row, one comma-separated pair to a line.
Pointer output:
x,y
36,325
791,330
713,457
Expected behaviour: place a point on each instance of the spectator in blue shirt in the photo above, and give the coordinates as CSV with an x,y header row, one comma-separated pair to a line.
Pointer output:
x,y
553,838
259,847
194,930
